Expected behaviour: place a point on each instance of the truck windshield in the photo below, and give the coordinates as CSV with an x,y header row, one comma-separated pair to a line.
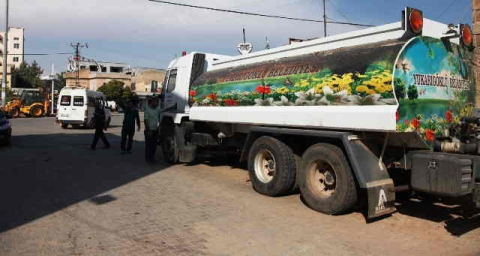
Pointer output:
x,y
172,80
65,100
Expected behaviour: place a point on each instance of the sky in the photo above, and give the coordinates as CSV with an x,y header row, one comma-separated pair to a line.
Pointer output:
x,y
148,34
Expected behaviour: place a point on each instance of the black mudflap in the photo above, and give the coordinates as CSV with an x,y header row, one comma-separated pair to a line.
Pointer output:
x,y
476,195
381,197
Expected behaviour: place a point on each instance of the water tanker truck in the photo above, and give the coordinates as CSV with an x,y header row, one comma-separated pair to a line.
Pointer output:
x,y
343,119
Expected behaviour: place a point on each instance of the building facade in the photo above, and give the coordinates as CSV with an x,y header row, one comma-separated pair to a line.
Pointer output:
x,y
15,46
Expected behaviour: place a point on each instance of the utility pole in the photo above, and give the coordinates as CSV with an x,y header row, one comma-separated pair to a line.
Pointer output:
x,y
53,88
476,43
324,19
5,54
77,48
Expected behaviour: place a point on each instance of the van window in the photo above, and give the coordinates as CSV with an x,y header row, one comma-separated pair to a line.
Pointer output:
x,y
78,101
91,102
65,100
172,80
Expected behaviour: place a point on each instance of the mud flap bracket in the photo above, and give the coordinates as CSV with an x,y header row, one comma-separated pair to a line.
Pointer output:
x,y
381,197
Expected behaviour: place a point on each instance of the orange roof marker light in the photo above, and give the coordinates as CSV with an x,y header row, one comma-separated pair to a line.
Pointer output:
x,y
416,21
466,34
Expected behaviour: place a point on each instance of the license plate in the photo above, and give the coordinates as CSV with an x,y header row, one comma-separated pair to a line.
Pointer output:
x,y
64,115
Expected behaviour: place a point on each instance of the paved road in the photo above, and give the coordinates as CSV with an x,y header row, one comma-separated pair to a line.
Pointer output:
x,y
58,198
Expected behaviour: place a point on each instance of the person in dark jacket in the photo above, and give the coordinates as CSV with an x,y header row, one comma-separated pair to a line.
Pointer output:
x,y
100,126
130,117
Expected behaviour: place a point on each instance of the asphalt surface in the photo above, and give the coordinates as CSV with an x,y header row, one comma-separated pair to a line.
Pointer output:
x,y
59,198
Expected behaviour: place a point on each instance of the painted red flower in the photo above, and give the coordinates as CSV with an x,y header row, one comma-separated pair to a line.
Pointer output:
x,y
266,90
416,122
449,116
212,96
430,135
230,102
406,122
193,93
397,116
260,89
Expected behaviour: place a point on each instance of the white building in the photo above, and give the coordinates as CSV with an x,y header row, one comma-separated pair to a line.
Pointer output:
x,y
15,46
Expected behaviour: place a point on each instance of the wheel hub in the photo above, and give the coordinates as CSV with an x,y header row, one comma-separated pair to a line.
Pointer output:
x,y
265,166
322,179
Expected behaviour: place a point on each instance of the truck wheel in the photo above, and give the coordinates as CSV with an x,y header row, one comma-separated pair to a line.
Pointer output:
x,y
271,167
36,111
64,126
326,181
169,147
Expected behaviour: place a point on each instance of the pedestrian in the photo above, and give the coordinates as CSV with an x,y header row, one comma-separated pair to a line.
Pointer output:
x,y
130,117
100,126
151,119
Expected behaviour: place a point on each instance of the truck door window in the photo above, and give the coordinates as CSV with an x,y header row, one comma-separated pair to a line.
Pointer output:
x,y
172,80
78,101
65,100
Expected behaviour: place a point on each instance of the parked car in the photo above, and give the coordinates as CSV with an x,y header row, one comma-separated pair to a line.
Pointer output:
x,y
5,129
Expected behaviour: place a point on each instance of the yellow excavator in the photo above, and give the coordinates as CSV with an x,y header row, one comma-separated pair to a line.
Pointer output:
x,y
31,103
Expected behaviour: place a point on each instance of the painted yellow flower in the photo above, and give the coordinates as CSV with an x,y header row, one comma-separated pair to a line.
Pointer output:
x,y
362,88
283,90
370,92
380,89
389,88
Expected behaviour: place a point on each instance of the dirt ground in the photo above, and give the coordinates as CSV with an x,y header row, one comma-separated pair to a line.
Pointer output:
x,y
59,198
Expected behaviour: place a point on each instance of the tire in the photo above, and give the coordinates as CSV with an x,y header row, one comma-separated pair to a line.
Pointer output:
x,y
36,111
326,181
272,167
75,126
169,147
64,126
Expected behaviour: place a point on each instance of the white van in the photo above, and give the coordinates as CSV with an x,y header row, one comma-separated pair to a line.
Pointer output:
x,y
76,106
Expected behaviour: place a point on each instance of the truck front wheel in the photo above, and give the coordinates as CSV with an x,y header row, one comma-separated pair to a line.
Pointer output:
x,y
272,167
326,181
169,147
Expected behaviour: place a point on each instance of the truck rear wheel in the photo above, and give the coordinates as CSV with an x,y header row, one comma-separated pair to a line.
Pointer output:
x,y
15,112
272,167
326,181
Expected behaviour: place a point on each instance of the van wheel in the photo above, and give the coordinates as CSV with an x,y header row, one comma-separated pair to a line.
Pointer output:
x,y
326,181
271,166
36,111
64,126
169,147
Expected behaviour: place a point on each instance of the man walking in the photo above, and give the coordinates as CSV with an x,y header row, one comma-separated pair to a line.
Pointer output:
x,y
99,119
128,129
151,119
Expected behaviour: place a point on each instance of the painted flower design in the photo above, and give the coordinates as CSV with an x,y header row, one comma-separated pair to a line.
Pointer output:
x,y
283,102
308,98
263,89
430,135
416,122
193,93
230,102
265,102
449,116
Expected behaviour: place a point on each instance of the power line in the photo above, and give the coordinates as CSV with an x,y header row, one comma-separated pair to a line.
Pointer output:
x,y
340,12
40,54
255,14
444,11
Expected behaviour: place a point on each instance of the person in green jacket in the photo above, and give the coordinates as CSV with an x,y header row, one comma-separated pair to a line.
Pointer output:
x,y
128,129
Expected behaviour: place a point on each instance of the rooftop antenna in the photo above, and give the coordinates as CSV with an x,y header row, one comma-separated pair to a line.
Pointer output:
x,y
268,45
77,48
245,47
324,19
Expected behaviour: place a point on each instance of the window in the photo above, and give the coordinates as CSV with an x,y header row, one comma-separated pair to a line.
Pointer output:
x,y
116,69
78,101
94,68
91,102
16,46
104,69
65,100
172,80
16,38
15,59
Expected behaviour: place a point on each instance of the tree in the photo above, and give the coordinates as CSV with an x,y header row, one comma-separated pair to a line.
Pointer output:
x,y
60,81
114,90
399,88
412,92
27,76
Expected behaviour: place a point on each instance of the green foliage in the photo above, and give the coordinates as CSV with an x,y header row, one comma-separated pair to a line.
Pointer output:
x,y
412,92
399,88
115,90
60,81
27,76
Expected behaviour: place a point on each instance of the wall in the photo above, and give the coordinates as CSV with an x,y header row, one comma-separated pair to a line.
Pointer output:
x,y
13,33
143,79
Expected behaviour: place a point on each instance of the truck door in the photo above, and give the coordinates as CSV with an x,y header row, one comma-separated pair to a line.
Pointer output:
x,y
168,102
